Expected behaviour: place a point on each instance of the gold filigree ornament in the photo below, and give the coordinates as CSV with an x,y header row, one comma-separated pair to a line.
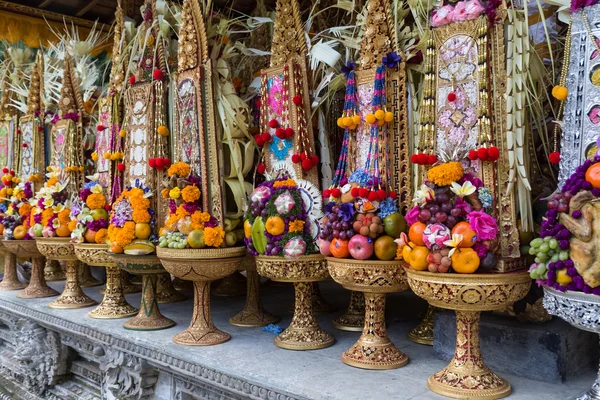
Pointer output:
x,y
10,280
467,375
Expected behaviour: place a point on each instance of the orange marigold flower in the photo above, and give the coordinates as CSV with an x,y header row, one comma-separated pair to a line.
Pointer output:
x,y
46,215
181,212
64,216
214,236
296,226
24,210
199,217
122,236
165,193
72,224
51,182
190,193
101,236
140,216
95,201
180,169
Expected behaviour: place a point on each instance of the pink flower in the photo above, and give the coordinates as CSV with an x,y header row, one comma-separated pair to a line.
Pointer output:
x,y
412,216
463,206
483,224
442,16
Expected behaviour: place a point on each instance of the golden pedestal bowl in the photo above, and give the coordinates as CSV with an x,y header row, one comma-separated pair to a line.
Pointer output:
x,y
10,281
53,271
353,319
253,313
149,267
374,349
304,332
201,266
467,375
37,287
423,332
61,249
113,305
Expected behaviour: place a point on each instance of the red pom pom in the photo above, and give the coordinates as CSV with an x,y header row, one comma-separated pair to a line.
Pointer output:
x,y
160,164
107,207
422,158
266,137
5,170
393,195
120,167
306,164
296,158
259,139
326,193
431,159
289,132
314,160
280,133
273,124
40,128
372,196
363,193
152,162
132,80
381,195
260,168
554,157
166,162
354,192
12,172
25,145
414,159
336,193
100,128
18,131
473,155
493,153
297,100
303,156
482,154
451,96
157,74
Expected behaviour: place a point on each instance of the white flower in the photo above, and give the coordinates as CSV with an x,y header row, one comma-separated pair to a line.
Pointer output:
x,y
456,241
423,195
94,177
58,208
466,189
56,223
97,189
48,202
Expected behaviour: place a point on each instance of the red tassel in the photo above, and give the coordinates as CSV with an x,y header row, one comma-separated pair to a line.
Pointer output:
x,y
25,145
326,193
273,124
372,196
314,160
431,159
132,80
260,168
157,75
121,167
152,162
159,164
393,195
554,157
100,128
493,153
289,133
306,164
381,195
297,100
336,193
451,97
296,158
266,137
422,158
40,128
280,133
363,192
414,159
473,155
166,162
354,192
482,154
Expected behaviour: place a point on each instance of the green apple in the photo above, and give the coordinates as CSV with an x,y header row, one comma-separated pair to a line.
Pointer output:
x,y
99,213
230,239
196,239
394,224
37,230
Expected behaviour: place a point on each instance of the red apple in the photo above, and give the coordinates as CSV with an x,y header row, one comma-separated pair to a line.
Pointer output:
x,y
324,247
361,247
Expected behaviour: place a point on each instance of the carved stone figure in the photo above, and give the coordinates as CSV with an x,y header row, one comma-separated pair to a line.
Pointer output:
x,y
126,377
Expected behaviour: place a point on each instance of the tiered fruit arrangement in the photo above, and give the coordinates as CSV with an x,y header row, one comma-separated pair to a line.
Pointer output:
x,y
187,226
16,220
276,221
566,253
450,227
132,221
52,211
89,214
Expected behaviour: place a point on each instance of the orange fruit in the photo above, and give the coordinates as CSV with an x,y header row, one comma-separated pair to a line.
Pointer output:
x,y
20,232
63,230
385,248
115,248
465,261
418,258
142,230
592,175
406,251
469,236
339,248
415,233
275,226
1,229
90,236
247,229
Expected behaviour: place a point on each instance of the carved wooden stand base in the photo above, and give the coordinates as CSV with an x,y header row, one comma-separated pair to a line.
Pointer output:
x,y
72,295
354,318
232,285
126,285
37,287
53,272
166,292
86,278
467,376
149,318
304,332
113,304
253,313
11,280
423,333
374,350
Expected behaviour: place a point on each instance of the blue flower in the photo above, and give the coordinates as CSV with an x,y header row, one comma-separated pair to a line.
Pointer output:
x,y
387,207
391,60
346,211
350,65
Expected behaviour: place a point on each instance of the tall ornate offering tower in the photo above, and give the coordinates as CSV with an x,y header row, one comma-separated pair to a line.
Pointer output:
x,y
9,120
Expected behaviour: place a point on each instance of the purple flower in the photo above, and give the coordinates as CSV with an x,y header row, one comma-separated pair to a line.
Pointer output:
x,y
412,215
55,119
391,60
475,181
463,206
481,249
346,212
576,214
191,207
212,222
483,224
37,218
84,193
98,224
346,69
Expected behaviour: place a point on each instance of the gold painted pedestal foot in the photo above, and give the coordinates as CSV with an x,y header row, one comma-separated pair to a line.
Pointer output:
x,y
126,285
37,287
253,313
423,333
180,284
354,318
86,278
53,272
320,305
166,292
467,376
11,280
113,304
232,285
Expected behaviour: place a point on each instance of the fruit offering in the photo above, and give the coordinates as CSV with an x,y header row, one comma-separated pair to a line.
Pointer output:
x,y
276,221
449,219
187,226
52,210
16,217
132,222
568,249
89,214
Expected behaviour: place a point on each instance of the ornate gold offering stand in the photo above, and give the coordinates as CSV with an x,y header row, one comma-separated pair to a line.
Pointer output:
x,y
201,266
61,249
53,271
86,278
37,287
113,304
304,332
127,286
149,267
423,333
467,376
166,292
253,313
353,319
232,285
374,349
11,280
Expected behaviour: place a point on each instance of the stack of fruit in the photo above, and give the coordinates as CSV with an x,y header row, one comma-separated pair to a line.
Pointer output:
x,y
276,221
89,214
52,210
187,225
450,229
16,221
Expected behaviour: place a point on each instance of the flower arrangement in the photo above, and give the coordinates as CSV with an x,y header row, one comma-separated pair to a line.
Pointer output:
x,y
566,253
52,211
16,219
132,222
187,225
89,214
276,221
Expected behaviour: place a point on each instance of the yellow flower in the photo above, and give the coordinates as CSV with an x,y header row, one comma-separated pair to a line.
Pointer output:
x,y
445,174
96,189
214,236
297,225
58,208
10,211
16,180
175,193
95,156
190,193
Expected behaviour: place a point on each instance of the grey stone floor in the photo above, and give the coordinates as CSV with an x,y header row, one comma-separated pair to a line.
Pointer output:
x,y
318,374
